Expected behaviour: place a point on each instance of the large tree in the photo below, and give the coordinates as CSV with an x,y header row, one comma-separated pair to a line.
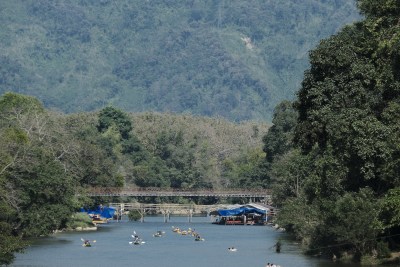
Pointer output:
x,y
35,190
348,123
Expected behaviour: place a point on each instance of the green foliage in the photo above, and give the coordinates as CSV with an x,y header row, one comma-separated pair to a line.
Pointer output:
x,y
18,111
134,215
378,9
9,241
13,104
390,213
247,171
79,219
337,182
190,57
383,250
355,221
45,194
110,117
278,140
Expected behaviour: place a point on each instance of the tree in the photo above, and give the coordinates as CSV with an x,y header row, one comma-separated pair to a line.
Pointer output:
x,y
344,126
134,215
109,117
9,241
35,191
278,140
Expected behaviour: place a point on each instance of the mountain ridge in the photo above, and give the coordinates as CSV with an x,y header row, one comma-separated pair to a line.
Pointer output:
x,y
212,58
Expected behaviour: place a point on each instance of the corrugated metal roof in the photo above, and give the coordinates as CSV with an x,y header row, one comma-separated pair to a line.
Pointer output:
x,y
259,206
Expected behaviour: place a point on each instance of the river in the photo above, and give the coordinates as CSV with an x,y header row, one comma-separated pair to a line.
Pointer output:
x,y
255,247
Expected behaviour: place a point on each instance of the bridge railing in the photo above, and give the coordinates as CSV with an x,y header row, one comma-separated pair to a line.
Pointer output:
x,y
153,191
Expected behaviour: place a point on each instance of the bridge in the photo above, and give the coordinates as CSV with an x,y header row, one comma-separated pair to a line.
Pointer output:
x,y
252,194
168,209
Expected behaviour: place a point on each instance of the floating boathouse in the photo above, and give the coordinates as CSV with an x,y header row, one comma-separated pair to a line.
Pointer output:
x,y
249,214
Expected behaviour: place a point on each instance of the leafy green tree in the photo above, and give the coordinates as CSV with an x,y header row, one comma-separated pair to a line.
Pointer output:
x,y
390,212
247,171
348,126
355,222
36,192
278,140
10,242
46,193
153,173
292,174
13,106
111,116
134,215
79,219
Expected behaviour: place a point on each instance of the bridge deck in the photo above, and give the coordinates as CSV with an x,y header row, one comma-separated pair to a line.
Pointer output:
x,y
157,192
168,207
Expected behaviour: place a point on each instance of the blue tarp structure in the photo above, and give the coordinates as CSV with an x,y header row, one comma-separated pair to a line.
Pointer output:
x,y
240,211
105,212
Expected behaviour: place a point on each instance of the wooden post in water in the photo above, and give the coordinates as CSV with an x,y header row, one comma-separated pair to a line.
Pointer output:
x,y
166,216
142,215
121,211
190,214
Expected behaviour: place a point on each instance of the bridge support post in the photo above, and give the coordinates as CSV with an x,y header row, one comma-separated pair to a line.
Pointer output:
x,y
142,213
120,211
166,216
190,215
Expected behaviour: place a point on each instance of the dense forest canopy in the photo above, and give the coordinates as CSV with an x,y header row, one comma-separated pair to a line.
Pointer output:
x,y
336,168
236,59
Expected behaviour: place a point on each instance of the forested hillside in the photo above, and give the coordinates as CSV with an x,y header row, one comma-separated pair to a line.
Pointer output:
x,y
236,59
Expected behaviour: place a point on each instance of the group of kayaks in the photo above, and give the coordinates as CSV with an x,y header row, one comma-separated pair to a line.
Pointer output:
x,y
189,232
137,240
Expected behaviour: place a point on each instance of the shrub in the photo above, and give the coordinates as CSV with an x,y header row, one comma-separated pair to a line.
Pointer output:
x,y
79,219
134,215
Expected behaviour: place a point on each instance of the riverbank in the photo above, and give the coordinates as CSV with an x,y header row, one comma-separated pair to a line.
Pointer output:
x,y
394,259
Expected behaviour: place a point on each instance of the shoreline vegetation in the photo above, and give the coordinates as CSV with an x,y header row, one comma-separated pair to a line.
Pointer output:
x,y
80,221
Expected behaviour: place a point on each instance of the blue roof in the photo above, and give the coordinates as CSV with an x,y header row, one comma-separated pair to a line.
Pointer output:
x,y
240,211
105,212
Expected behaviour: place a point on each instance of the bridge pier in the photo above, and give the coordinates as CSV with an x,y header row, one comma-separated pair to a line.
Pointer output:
x,y
167,216
190,214
143,211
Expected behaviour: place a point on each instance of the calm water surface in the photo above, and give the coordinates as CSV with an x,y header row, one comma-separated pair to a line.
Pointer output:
x,y
254,247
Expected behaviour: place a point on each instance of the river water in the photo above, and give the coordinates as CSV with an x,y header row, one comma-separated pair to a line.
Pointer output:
x,y
111,247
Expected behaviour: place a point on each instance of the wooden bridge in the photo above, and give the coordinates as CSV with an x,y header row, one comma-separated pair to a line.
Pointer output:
x,y
168,209
264,194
